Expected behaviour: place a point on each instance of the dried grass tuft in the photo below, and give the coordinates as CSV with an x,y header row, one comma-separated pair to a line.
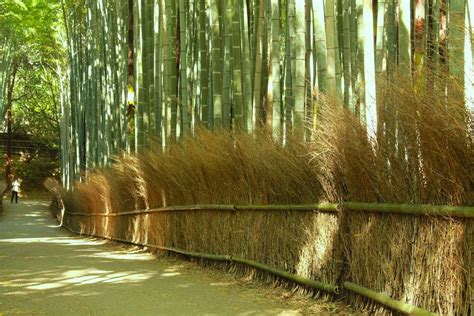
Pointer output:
x,y
423,152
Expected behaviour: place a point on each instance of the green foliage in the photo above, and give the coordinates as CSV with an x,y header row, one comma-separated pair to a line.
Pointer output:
x,y
36,110
35,172
30,37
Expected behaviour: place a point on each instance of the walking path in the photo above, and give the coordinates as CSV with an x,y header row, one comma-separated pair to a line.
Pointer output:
x,y
44,270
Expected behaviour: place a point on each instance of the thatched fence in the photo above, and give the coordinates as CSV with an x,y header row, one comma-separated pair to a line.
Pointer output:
x,y
380,257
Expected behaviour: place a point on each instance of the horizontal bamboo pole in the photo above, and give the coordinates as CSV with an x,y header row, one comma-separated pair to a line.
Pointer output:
x,y
406,209
226,258
325,207
289,276
164,209
411,209
387,300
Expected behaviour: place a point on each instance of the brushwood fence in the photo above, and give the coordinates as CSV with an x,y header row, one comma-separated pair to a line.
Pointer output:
x,y
343,287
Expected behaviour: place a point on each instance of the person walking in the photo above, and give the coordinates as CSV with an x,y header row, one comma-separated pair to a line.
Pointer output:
x,y
15,190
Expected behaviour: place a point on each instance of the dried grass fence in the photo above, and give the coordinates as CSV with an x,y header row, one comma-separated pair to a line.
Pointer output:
x,y
423,155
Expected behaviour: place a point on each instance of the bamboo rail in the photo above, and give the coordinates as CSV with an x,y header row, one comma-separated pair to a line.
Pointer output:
x,y
387,300
411,209
405,209
226,258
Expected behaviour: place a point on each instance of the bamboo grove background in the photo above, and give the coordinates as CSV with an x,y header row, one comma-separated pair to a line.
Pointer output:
x,y
146,73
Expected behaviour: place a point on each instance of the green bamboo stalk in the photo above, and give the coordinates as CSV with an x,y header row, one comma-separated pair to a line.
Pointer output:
x,y
289,276
309,70
346,56
387,301
95,92
246,66
299,74
321,48
380,46
237,82
338,21
419,29
204,63
258,66
183,42
217,64
226,50
355,71
360,81
469,60
193,64
124,119
383,208
267,69
115,87
435,35
276,75
158,72
289,67
139,99
456,20
404,36
369,71
331,40
391,29
165,43
149,87
173,96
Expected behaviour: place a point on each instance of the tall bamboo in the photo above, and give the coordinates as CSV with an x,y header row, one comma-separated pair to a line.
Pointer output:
x,y
276,115
331,44
237,78
346,56
172,61
299,75
217,65
469,61
226,27
246,65
456,38
183,79
257,90
380,59
369,71
204,63
404,36
139,98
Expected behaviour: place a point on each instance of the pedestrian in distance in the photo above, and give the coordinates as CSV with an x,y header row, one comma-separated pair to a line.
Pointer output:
x,y
15,190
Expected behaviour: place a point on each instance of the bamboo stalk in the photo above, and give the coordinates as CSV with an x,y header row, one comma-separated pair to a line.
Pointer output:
x,y
412,209
407,209
387,301
289,276
226,258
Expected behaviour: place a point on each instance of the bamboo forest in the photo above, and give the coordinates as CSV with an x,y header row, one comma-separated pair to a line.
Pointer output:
x,y
237,157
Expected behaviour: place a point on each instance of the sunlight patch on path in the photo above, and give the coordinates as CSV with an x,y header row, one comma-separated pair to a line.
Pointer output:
x,y
55,240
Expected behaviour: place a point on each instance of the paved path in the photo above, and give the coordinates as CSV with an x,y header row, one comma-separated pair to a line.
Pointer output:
x,y
44,270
